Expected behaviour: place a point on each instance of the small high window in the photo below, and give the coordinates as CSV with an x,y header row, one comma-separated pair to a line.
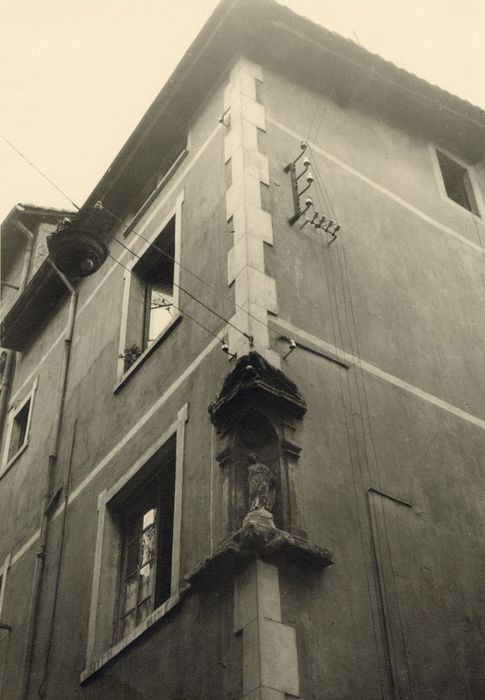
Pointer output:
x,y
17,430
457,182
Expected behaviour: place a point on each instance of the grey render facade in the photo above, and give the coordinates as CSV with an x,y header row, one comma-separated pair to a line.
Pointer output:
x,y
236,350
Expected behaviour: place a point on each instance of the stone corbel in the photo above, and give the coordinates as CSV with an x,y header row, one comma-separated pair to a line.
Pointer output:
x,y
256,540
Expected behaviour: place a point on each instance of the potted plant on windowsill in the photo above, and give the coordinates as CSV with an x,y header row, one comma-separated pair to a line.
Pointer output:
x,y
130,355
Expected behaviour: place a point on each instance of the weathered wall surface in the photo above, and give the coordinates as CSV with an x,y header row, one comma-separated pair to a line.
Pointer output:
x,y
390,473
101,420
402,292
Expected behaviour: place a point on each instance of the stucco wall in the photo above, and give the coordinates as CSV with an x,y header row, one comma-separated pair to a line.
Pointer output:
x,y
389,476
101,419
400,291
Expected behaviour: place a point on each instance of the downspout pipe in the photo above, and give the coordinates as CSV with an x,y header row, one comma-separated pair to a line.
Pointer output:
x,y
48,502
10,359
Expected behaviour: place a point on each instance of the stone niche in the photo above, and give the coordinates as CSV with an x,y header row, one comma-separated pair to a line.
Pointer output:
x,y
257,415
256,509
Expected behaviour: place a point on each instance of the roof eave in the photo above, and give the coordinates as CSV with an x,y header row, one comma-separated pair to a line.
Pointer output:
x,y
443,111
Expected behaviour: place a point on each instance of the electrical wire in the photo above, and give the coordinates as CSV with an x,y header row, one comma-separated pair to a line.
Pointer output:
x,y
335,318
221,230
46,177
42,688
325,197
365,416
362,398
192,296
187,269
195,275
184,313
480,240
354,461
131,251
218,291
356,468
176,262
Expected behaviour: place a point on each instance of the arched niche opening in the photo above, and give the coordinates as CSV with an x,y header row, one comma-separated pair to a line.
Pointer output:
x,y
255,438
258,412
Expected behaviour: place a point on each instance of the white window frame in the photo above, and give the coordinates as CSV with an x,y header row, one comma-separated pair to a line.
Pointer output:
x,y
3,575
12,414
176,213
107,559
433,148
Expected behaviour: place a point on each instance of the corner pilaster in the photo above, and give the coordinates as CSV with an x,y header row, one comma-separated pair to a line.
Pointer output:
x,y
255,291
260,528
270,664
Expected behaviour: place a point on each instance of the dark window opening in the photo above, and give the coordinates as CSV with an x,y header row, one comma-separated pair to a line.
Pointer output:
x,y
457,183
147,538
259,91
18,435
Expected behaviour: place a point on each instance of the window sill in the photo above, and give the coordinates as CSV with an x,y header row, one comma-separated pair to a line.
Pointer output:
x,y
94,665
14,458
129,372
477,218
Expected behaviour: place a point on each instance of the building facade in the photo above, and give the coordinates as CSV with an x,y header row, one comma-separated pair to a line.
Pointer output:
x,y
244,410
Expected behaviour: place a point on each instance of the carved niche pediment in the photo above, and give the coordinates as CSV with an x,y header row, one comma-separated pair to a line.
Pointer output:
x,y
253,379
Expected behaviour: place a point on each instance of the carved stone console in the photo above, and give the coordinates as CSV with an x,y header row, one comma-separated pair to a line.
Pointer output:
x,y
255,540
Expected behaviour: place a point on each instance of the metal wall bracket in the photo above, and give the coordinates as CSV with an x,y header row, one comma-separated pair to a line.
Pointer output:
x,y
290,168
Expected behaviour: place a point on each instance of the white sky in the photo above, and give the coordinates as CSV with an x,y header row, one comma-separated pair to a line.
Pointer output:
x,y
77,75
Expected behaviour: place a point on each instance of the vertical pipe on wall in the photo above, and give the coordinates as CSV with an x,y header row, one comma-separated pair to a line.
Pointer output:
x,y
48,488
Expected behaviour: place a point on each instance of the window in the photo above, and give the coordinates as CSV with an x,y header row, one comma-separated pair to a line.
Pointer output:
x,y
154,284
17,429
3,582
136,575
150,296
147,536
151,300
18,436
457,182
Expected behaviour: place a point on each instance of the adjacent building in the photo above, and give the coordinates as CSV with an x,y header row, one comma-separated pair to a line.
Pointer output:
x,y
243,407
